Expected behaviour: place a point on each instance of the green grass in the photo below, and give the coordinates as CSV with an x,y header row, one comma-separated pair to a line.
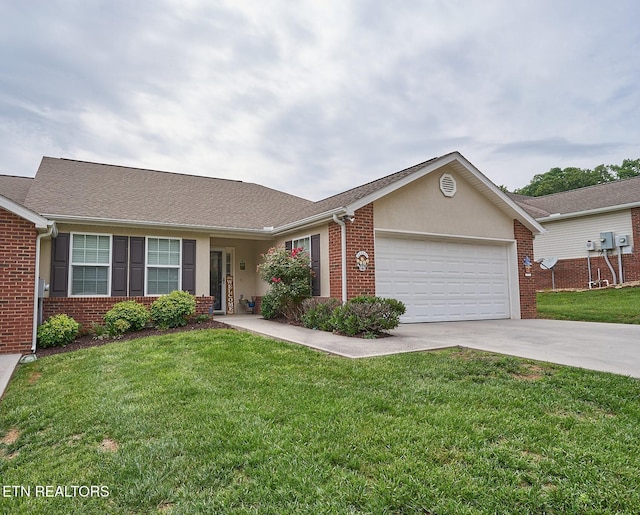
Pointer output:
x,y
599,305
227,422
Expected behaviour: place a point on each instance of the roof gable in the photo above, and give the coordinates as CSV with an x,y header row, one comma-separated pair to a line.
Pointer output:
x,y
356,198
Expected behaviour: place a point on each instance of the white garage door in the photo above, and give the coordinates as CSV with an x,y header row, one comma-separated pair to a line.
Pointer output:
x,y
444,280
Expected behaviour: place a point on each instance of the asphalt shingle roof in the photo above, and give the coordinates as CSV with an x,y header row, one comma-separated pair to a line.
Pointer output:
x,y
610,194
94,191
353,195
15,188
100,191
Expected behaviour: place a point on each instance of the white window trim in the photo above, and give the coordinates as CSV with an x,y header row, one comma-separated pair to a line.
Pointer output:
x,y
308,237
72,264
147,265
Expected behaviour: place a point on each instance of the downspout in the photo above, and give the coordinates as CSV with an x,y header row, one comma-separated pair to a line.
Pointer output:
x,y
52,231
343,238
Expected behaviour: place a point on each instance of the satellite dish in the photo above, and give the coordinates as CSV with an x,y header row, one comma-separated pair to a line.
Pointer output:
x,y
549,262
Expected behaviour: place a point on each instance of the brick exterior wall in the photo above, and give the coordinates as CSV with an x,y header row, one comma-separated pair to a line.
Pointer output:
x,y
17,283
360,236
91,310
524,242
574,273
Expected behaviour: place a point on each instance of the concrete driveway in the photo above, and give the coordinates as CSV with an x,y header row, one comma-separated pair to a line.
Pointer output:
x,y
604,347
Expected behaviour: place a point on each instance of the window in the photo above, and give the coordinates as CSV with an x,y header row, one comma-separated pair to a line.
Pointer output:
x,y
90,259
303,243
163,265
311,245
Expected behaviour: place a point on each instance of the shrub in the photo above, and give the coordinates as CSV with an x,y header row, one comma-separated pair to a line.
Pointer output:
x,y
57,331
317,312
269,306
366,315
125,316
289,275
173,310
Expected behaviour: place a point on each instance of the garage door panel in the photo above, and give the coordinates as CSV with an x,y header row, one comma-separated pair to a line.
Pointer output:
x,y
444,280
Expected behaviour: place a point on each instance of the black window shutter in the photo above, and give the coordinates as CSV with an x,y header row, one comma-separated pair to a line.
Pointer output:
x,y
288,245
189,266
119,264
136,266
315,265
59,265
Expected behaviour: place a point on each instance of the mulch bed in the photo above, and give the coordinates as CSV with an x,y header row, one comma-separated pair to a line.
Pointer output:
x,y
89,340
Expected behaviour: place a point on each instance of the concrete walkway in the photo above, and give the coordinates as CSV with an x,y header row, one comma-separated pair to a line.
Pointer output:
x,y
8,363
603,347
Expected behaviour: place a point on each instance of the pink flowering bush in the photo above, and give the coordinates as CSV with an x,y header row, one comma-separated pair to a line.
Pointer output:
x,y
289,274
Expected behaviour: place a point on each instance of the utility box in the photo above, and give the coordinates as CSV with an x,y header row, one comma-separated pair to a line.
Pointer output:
x,y
622,240
606,241
591,245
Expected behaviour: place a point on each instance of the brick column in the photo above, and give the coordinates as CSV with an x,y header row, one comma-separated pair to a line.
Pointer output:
x,y
17,282
360,236
527,285
631,262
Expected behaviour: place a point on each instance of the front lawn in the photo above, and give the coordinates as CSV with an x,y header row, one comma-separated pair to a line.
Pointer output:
x,y
617,305
219,421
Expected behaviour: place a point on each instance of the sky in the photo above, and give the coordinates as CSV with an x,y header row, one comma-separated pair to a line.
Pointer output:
x,y
316,97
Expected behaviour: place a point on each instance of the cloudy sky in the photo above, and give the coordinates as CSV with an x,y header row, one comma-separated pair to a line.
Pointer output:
x,y
315,97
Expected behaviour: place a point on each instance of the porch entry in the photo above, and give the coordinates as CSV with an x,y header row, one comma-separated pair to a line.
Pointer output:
x,y
221,280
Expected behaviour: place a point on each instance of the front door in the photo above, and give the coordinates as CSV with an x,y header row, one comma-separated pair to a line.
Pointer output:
x,y
216,279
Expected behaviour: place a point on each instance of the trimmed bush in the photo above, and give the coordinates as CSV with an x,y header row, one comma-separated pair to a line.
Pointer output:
x,y
126,316
317,312
367,316
57,331
269,306
173,310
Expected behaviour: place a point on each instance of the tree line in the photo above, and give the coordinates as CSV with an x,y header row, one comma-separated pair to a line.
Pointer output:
x,y
559,179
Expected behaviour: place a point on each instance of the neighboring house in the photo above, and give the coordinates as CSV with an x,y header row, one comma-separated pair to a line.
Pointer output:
x,y
439,236
576,221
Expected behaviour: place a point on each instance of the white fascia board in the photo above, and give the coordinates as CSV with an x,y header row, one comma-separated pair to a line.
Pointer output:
x,y
325,216
109,222
23,212
588,212
428,168
521,215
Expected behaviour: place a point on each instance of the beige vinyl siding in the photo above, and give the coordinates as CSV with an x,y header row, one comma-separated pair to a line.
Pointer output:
x,y
323,230
568,238
202,248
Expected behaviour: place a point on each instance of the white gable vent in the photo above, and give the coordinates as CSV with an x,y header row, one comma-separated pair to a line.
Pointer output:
x,y
448,185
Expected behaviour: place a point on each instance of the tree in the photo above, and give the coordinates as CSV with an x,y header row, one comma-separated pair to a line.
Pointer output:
x,y
571,178
629,168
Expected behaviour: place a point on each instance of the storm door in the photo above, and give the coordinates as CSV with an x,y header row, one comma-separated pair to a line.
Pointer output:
x,y
216,279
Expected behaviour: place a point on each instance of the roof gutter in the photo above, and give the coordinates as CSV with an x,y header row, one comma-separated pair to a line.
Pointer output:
x,y
264,232
587,212
52,231
311,220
